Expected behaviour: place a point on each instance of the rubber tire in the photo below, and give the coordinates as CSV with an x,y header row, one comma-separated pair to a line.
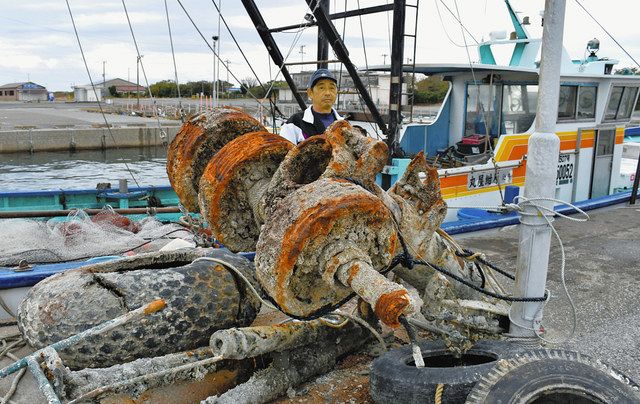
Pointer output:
x,y
393,380
524,378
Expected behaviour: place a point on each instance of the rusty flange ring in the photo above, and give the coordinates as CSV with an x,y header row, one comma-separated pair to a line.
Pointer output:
x,y
320,228
197,141
233,184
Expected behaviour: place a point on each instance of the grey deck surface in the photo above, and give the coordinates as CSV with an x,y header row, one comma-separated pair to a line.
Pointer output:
x,y
603,278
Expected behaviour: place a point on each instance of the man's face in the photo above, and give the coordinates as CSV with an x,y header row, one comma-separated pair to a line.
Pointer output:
x,y
323,94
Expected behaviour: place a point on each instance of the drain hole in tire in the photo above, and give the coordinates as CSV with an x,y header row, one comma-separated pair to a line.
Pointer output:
x,y
450,361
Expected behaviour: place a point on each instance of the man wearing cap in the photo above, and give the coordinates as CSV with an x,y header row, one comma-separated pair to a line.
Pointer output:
x,y
322,91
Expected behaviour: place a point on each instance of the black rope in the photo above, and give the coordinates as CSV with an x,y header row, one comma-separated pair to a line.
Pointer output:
x,y
481,273
411,332
467,253
481,290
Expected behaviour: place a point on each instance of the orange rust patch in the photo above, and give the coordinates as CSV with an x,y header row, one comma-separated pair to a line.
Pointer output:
x,y
219,268
390,307
229,160
353,271
154,306
316,222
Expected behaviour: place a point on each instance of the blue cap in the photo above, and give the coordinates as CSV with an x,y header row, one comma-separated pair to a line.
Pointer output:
x,y
319,75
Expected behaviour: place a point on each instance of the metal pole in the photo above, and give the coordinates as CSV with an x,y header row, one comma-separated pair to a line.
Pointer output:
x,y
636,180
343,54
542,166
138,81
214,39
272,47
323,43
104,82
395,92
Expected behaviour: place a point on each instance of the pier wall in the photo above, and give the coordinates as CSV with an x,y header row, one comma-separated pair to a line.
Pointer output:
x,y
60,139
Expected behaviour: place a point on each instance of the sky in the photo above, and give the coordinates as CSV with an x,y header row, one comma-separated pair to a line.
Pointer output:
x,y
37,41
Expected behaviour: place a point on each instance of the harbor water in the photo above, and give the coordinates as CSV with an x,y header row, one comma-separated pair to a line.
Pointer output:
x,y
82,169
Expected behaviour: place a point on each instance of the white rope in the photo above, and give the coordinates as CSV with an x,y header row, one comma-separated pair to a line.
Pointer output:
x,y
520,202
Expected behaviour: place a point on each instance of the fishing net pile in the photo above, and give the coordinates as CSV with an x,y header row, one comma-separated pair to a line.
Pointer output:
x,y
82,237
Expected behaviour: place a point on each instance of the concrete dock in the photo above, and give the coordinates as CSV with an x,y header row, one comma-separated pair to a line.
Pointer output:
x,y
603,278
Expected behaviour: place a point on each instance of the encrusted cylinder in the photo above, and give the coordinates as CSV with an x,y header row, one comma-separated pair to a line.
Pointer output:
x,y
320,228
201,297
197,141
233,184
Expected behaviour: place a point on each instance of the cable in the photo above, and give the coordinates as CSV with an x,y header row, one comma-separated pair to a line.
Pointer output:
x,y
175,67
444,28
104,117
163,133
607,32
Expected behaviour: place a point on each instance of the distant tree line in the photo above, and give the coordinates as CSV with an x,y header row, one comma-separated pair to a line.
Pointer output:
x,y
167,88
430,90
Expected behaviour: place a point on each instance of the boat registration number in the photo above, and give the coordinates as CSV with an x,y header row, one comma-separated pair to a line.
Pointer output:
x,y
489,178
566,164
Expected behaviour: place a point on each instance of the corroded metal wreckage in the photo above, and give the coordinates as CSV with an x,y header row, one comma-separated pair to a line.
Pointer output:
x,y
323,232
201,296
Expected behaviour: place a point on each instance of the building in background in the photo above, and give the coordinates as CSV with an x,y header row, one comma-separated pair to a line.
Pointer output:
x,y
26,92
85,93
377,84
113,87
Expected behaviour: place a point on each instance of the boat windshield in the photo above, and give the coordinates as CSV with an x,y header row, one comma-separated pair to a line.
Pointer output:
x,y
499,109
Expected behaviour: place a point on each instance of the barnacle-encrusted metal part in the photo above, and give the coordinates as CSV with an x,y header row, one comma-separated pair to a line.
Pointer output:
x,y
201,297
197,141
233,184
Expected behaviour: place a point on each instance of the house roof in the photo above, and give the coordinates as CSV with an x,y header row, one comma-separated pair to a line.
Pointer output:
x,y
24,84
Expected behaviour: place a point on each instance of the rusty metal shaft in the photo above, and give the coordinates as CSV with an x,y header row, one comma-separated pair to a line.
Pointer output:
x,y
248,342
389,299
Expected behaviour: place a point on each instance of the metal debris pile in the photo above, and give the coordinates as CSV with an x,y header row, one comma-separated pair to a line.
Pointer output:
x,y
323,232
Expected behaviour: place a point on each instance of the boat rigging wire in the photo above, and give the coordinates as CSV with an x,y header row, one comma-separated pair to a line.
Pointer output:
x,y
607,32
366,64
457,18
444,28
175,67
214,52
163,133
104,117
221,17
483,112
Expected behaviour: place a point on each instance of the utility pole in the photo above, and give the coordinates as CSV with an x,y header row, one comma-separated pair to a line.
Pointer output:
x,y
542,165
138,79
302,53
384,58
214,92
104,82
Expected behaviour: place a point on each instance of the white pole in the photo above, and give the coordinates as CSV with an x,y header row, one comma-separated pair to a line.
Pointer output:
x,y
542,167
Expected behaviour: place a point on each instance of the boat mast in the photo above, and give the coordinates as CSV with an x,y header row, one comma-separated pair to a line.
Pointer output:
x,y
542,166
323,43
395,92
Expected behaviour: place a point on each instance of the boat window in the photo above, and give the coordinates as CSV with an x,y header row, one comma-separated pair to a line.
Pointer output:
x,y
614,102
483,110
587,102
518,107
626,103
567,102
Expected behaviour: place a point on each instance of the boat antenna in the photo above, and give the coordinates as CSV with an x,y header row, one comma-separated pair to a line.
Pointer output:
x,y
608,33
104,116
175,67
163,133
